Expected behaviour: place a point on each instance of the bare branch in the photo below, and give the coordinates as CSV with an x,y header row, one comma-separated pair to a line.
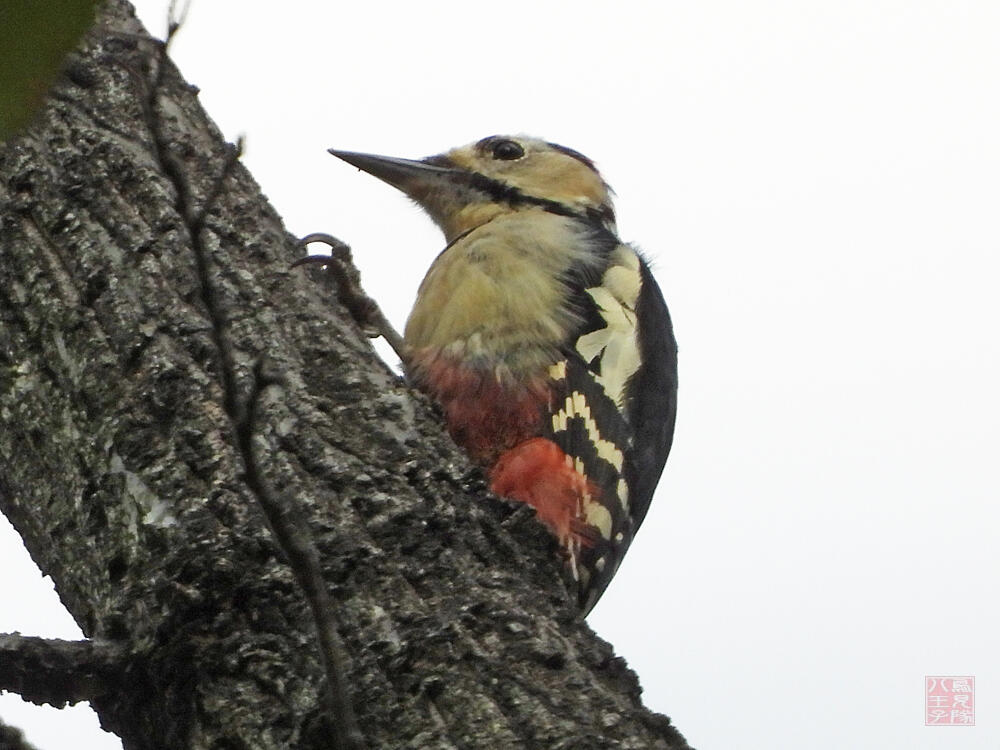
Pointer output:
x,y
11,738
458,630
57,672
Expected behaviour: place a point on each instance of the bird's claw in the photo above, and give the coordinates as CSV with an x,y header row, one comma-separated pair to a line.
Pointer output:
x,y
339,264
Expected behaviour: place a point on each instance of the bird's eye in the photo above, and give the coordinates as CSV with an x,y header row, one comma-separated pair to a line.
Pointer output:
x,y
507,150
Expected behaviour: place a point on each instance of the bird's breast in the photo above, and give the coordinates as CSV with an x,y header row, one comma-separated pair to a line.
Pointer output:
x,y
490,319
497,296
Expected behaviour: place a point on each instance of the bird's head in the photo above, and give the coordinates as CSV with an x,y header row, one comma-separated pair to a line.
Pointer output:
x,y
470,185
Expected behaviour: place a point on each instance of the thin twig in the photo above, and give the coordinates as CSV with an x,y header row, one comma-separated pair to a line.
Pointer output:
x,y
290,530
295,540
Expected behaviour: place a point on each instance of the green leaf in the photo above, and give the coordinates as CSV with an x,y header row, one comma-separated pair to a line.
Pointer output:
x,y
35,36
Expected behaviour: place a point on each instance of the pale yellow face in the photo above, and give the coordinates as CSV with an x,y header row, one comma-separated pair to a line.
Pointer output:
x,y
545,170
533,167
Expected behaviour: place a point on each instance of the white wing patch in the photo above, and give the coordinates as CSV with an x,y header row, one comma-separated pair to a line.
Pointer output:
x,y
616,348
616,344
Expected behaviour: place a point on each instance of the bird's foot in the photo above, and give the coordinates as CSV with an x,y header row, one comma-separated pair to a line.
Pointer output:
x,y
339,264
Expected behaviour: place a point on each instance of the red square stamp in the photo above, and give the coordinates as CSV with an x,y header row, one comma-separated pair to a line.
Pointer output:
x,y
950,701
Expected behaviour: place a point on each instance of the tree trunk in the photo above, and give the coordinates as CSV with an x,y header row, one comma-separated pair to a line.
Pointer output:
x,y
186,421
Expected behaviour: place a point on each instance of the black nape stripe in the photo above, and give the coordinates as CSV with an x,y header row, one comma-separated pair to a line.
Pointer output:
x,y
512,196
502,192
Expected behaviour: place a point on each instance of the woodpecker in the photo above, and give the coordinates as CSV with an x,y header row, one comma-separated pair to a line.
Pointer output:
x,y
543,338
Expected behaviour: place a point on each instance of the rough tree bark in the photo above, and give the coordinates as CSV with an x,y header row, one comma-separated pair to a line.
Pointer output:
x,y
173,398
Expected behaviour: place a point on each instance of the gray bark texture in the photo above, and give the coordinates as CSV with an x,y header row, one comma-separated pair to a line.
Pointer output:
x,y
186,422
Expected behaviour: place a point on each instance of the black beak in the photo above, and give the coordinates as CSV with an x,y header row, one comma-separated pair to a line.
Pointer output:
x,y
417,179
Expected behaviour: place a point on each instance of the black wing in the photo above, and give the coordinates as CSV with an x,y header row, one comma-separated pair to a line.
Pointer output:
x,y
614,410
651,397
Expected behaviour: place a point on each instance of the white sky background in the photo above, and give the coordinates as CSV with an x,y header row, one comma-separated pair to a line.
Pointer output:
x,y
818,185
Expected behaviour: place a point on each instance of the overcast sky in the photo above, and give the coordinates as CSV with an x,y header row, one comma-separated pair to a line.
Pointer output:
x,y
818,187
